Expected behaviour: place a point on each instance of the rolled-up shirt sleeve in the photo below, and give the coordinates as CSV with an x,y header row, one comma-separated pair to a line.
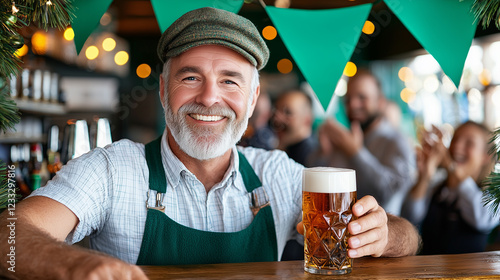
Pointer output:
x,y
83,185
472,209
386,176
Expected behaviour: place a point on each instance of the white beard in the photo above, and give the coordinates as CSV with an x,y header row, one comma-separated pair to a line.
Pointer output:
x,y
203,143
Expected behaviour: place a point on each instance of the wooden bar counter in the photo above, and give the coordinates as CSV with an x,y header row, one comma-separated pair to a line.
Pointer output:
x,y
465,266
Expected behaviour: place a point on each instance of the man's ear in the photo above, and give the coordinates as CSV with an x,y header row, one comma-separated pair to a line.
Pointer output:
x,y
162,90
254,101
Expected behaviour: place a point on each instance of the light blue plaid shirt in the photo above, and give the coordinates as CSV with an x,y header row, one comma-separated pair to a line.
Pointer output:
x,y
107,190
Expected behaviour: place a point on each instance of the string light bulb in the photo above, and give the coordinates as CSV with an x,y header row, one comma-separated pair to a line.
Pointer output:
x,y
48,3
14,8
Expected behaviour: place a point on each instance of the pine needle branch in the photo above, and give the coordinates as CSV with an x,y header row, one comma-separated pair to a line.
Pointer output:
x,y
487,11
491,193
9,113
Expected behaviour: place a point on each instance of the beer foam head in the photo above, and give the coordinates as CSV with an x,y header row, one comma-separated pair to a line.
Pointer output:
x,y
328,180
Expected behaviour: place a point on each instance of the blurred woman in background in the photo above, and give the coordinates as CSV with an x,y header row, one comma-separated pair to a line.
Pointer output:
x,y
446,202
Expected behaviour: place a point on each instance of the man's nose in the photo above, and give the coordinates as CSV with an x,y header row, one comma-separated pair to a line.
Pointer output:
x,y
209,95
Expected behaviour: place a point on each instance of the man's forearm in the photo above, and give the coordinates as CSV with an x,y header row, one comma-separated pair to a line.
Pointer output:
x,y
36,254
404,239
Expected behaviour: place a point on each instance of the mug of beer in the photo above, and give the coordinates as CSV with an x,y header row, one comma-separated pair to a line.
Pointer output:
x,y
328,195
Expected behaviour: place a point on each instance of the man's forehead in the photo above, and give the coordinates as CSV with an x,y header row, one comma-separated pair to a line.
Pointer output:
x,y
363,85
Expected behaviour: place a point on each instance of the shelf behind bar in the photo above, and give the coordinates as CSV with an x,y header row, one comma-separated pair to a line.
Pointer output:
x,y
41,107
7,139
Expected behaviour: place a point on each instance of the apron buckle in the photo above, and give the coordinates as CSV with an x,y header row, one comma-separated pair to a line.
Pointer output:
x,y
259,200
158,205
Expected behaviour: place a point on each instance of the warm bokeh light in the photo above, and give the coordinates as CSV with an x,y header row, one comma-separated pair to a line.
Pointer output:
x,y
69,34
109,44
282,3
285,66
39,42
350,69
405,74
414,84
369,27
431,83
269,32
474,96
143,71
105,19
341,88
22,51
407,95
485,77
92,52
121,58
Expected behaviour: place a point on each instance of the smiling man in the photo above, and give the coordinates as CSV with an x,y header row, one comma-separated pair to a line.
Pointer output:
x,y
191,196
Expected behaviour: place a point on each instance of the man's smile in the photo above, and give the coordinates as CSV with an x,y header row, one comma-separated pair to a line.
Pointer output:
x,y
206,118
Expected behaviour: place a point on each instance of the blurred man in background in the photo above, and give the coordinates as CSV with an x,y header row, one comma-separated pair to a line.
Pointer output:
x,y
381,156
292,121
258,133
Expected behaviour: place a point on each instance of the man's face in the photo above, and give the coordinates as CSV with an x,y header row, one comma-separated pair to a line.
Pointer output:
x,y
362,99
291,113
208,100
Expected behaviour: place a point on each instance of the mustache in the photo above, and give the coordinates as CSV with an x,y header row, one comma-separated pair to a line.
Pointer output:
x,y
217,109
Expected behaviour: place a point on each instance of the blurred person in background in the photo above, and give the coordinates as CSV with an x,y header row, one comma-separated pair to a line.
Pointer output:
x,y
380,154
292,121
258,133
446,201
392,113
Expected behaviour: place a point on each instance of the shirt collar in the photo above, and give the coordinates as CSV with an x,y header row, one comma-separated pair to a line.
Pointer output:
x,y
174,167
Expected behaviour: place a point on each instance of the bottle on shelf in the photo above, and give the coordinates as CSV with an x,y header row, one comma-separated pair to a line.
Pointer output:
x,y
53,156
35,165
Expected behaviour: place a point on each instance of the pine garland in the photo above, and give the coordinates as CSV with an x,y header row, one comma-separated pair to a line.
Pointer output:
x,y
13,16
491,194
17,14
487,11
9,113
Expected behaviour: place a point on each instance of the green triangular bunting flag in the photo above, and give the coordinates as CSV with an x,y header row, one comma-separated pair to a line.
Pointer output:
x,y
88,13
321,42
167,11
445,28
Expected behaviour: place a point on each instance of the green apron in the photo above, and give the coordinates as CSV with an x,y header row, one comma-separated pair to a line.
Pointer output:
x,y
166,242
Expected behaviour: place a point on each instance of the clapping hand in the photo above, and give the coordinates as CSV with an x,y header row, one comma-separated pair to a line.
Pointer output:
x,y
333,136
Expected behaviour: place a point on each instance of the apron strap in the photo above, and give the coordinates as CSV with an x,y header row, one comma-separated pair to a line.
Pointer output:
x,y
248,174
158,181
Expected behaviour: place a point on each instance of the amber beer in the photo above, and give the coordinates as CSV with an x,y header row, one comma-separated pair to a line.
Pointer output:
x,y
327,199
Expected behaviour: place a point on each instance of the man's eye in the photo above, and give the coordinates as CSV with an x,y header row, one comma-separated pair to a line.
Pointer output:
x,y
229,82
190,79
